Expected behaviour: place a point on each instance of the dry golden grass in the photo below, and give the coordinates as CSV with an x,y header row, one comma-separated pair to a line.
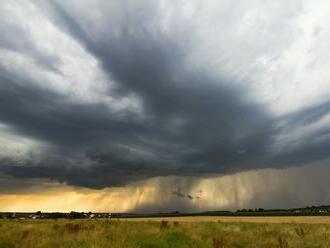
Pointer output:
x,y
180,232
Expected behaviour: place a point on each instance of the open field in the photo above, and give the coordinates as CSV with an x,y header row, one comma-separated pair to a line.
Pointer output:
x,y
179,232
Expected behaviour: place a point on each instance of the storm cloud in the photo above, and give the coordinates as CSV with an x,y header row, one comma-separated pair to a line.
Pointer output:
x,y
100,94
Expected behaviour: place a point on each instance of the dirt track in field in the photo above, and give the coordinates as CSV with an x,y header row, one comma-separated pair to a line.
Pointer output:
x,y
251,219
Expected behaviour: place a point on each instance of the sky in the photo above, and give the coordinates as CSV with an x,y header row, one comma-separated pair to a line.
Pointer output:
x,y
149,106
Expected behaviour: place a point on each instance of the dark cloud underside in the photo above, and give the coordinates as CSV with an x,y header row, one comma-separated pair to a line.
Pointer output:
x,y
191,122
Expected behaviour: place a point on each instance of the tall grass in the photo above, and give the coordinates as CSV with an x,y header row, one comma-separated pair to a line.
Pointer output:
x,y
101,233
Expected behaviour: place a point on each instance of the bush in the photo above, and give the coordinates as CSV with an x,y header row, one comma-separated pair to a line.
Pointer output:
x,y
218,243
282,242
164,225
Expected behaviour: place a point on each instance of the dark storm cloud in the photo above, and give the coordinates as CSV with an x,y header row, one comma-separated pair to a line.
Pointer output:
x,y
193,123
188,107
311,146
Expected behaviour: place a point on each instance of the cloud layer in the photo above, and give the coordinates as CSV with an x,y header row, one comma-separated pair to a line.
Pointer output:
x,y
100,94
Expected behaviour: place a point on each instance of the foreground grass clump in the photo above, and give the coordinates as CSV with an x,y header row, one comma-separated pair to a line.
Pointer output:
x,y
101,233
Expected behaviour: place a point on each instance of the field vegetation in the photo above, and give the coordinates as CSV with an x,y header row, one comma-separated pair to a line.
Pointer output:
x,y
152,234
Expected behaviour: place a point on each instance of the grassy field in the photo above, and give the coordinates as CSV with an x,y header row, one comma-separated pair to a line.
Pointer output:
x,y
169,233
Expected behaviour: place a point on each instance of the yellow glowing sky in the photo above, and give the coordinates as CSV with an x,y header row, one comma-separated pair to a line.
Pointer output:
x,y
260,188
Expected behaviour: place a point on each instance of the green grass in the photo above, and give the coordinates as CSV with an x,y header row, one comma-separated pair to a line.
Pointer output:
x,y
101,233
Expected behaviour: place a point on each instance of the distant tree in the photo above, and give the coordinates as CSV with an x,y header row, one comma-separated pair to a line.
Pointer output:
x,y
76,215
56,215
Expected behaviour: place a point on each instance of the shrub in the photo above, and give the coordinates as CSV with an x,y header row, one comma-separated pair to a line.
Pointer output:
x,y
218,243
72,228
282,242
301,232
164,225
